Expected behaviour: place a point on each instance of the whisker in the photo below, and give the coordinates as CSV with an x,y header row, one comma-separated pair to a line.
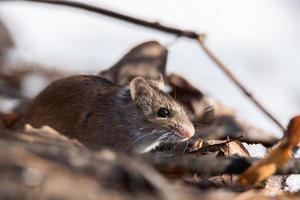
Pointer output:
x,y
153,144
207,109
160,138
186,146
141,137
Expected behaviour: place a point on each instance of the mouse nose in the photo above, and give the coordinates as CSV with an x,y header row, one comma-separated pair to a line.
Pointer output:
x,y
187,131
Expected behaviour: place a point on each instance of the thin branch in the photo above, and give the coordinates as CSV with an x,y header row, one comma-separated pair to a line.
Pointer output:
x,y
116,15
230,75
175,31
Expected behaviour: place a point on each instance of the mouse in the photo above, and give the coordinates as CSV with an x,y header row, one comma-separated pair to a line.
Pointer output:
x,y
136,117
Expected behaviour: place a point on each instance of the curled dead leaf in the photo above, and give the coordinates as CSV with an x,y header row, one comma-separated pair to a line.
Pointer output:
x,y
147,60
276,158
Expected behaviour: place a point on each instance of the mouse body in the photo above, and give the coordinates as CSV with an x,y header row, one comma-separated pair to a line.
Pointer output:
x,y
95,111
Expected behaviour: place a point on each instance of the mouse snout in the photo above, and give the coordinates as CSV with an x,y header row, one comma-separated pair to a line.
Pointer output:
x,y
187,131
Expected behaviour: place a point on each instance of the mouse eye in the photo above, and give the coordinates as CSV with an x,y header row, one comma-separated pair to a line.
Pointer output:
x,y
163,112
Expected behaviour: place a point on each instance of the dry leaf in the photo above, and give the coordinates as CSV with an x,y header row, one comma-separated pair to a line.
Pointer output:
x,y
8,120
147,59
219,147
276,158
49,132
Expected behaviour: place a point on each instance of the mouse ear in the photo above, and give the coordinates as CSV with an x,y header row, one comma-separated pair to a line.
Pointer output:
x,y
137,87
158,82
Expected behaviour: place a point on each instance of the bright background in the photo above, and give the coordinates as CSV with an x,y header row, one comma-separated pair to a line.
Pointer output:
x,y
258,40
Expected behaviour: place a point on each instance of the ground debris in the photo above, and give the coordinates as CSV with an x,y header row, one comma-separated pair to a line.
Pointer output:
x,y
40,163
50,165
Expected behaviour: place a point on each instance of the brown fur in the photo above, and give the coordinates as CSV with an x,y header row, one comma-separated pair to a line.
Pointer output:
x,y
98,112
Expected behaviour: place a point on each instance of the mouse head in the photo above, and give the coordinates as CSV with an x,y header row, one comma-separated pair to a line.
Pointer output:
x,y
166,119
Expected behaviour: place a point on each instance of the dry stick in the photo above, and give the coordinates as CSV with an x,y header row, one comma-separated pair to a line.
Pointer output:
x,y
133,20
230,75
167,29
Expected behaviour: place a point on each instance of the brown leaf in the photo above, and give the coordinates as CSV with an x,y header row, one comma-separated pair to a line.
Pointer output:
x,y
219,147
8,120
275,159
147,60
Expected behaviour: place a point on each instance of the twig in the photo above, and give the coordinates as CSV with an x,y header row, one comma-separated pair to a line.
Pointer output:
x,y
230,75
175,31
116,15
215,145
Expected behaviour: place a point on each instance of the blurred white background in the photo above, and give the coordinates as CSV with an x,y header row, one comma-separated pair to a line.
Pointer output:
x,y
258,40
